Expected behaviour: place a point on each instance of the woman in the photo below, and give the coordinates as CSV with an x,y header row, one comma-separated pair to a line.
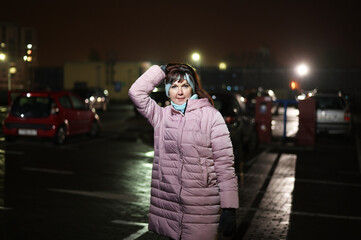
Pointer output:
x,y
193,174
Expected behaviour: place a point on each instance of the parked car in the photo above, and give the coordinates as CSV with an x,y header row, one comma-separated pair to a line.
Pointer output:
x,y
55,115
252,94
333,113
94,97
240,122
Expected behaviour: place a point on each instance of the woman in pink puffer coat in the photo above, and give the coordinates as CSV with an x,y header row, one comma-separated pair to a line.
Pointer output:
x,y
194,188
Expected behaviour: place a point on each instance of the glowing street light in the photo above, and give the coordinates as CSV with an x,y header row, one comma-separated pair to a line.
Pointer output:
x,y
302,69
222,66
196,57
3,58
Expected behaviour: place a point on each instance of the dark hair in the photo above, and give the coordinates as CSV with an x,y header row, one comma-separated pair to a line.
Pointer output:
x,y
174,70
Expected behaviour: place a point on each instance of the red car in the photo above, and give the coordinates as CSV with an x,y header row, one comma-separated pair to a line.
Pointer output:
x,y
47,114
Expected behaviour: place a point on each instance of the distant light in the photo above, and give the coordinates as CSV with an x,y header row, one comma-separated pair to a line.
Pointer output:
x,y
293,85
155,89
12,70
196,56
29,52
28,95
29,59
25,58
302,69
2,56
29,46
229,88
3,45
222,66
301,97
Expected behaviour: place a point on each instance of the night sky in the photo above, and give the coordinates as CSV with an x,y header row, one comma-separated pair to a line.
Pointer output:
x,y
165,30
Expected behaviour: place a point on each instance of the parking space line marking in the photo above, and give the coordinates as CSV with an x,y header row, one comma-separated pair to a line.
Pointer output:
x,y
4,208
138,233
103,195
47,170
11,152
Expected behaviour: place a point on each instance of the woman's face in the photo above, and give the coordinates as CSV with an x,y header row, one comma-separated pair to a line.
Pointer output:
x,y
180,91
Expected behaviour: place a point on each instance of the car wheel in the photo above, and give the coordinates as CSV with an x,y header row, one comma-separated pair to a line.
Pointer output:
x,y
60,135
94,129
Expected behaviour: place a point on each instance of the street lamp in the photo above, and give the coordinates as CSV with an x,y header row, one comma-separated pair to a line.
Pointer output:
x,y
3,58
302,69
222,66
196,57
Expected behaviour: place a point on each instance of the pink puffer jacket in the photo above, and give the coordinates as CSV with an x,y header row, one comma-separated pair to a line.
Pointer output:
x,y
193,175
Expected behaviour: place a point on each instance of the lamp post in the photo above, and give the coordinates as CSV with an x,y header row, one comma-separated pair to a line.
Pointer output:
x,y
196,59
222,66
3,58
302,70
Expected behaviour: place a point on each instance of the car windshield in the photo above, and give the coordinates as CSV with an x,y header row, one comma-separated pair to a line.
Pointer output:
x,y
31,107
330,103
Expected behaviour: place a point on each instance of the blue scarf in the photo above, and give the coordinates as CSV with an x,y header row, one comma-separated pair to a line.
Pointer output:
x,y
182,107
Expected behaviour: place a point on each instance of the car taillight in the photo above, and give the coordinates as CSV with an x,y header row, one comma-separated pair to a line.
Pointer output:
x,y
229,119
347,116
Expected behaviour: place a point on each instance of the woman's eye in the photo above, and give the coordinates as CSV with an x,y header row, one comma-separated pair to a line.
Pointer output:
x,y
174,86
185,86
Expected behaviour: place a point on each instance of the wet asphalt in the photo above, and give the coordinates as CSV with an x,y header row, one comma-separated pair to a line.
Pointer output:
x,y
286,191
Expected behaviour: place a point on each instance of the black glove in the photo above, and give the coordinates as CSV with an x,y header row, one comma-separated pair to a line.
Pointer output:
x,y
227,223
164,68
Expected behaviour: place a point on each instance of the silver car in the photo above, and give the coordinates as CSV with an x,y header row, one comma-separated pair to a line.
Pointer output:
x,y
333,113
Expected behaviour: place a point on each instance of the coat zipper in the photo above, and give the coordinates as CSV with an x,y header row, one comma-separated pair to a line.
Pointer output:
x,y
180,176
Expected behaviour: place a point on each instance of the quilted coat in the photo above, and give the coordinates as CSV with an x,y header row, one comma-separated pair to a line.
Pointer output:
x,y
193,174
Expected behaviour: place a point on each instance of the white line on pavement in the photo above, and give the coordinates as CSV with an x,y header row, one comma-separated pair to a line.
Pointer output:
x,y
138,233
11,152
4,208
103,195
47,170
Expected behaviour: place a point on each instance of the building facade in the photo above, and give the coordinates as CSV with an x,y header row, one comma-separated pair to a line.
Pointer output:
x,y
116,77
18,56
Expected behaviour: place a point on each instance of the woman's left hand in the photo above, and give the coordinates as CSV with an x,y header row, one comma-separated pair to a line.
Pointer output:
x,y
227,222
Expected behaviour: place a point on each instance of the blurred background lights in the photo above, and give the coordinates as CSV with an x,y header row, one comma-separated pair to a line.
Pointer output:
x,y
222,66
2,56
196,56
29,46
302,69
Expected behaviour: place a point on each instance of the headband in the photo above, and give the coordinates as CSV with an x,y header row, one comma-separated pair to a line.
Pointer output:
x,y
186,77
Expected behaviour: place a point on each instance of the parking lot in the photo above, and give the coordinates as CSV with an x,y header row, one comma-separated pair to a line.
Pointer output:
x,y
99,188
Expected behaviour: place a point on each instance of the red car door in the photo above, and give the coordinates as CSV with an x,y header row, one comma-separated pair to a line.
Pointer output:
x,y
83,115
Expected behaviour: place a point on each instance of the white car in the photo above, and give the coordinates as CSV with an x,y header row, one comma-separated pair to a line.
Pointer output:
x,y
333,113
